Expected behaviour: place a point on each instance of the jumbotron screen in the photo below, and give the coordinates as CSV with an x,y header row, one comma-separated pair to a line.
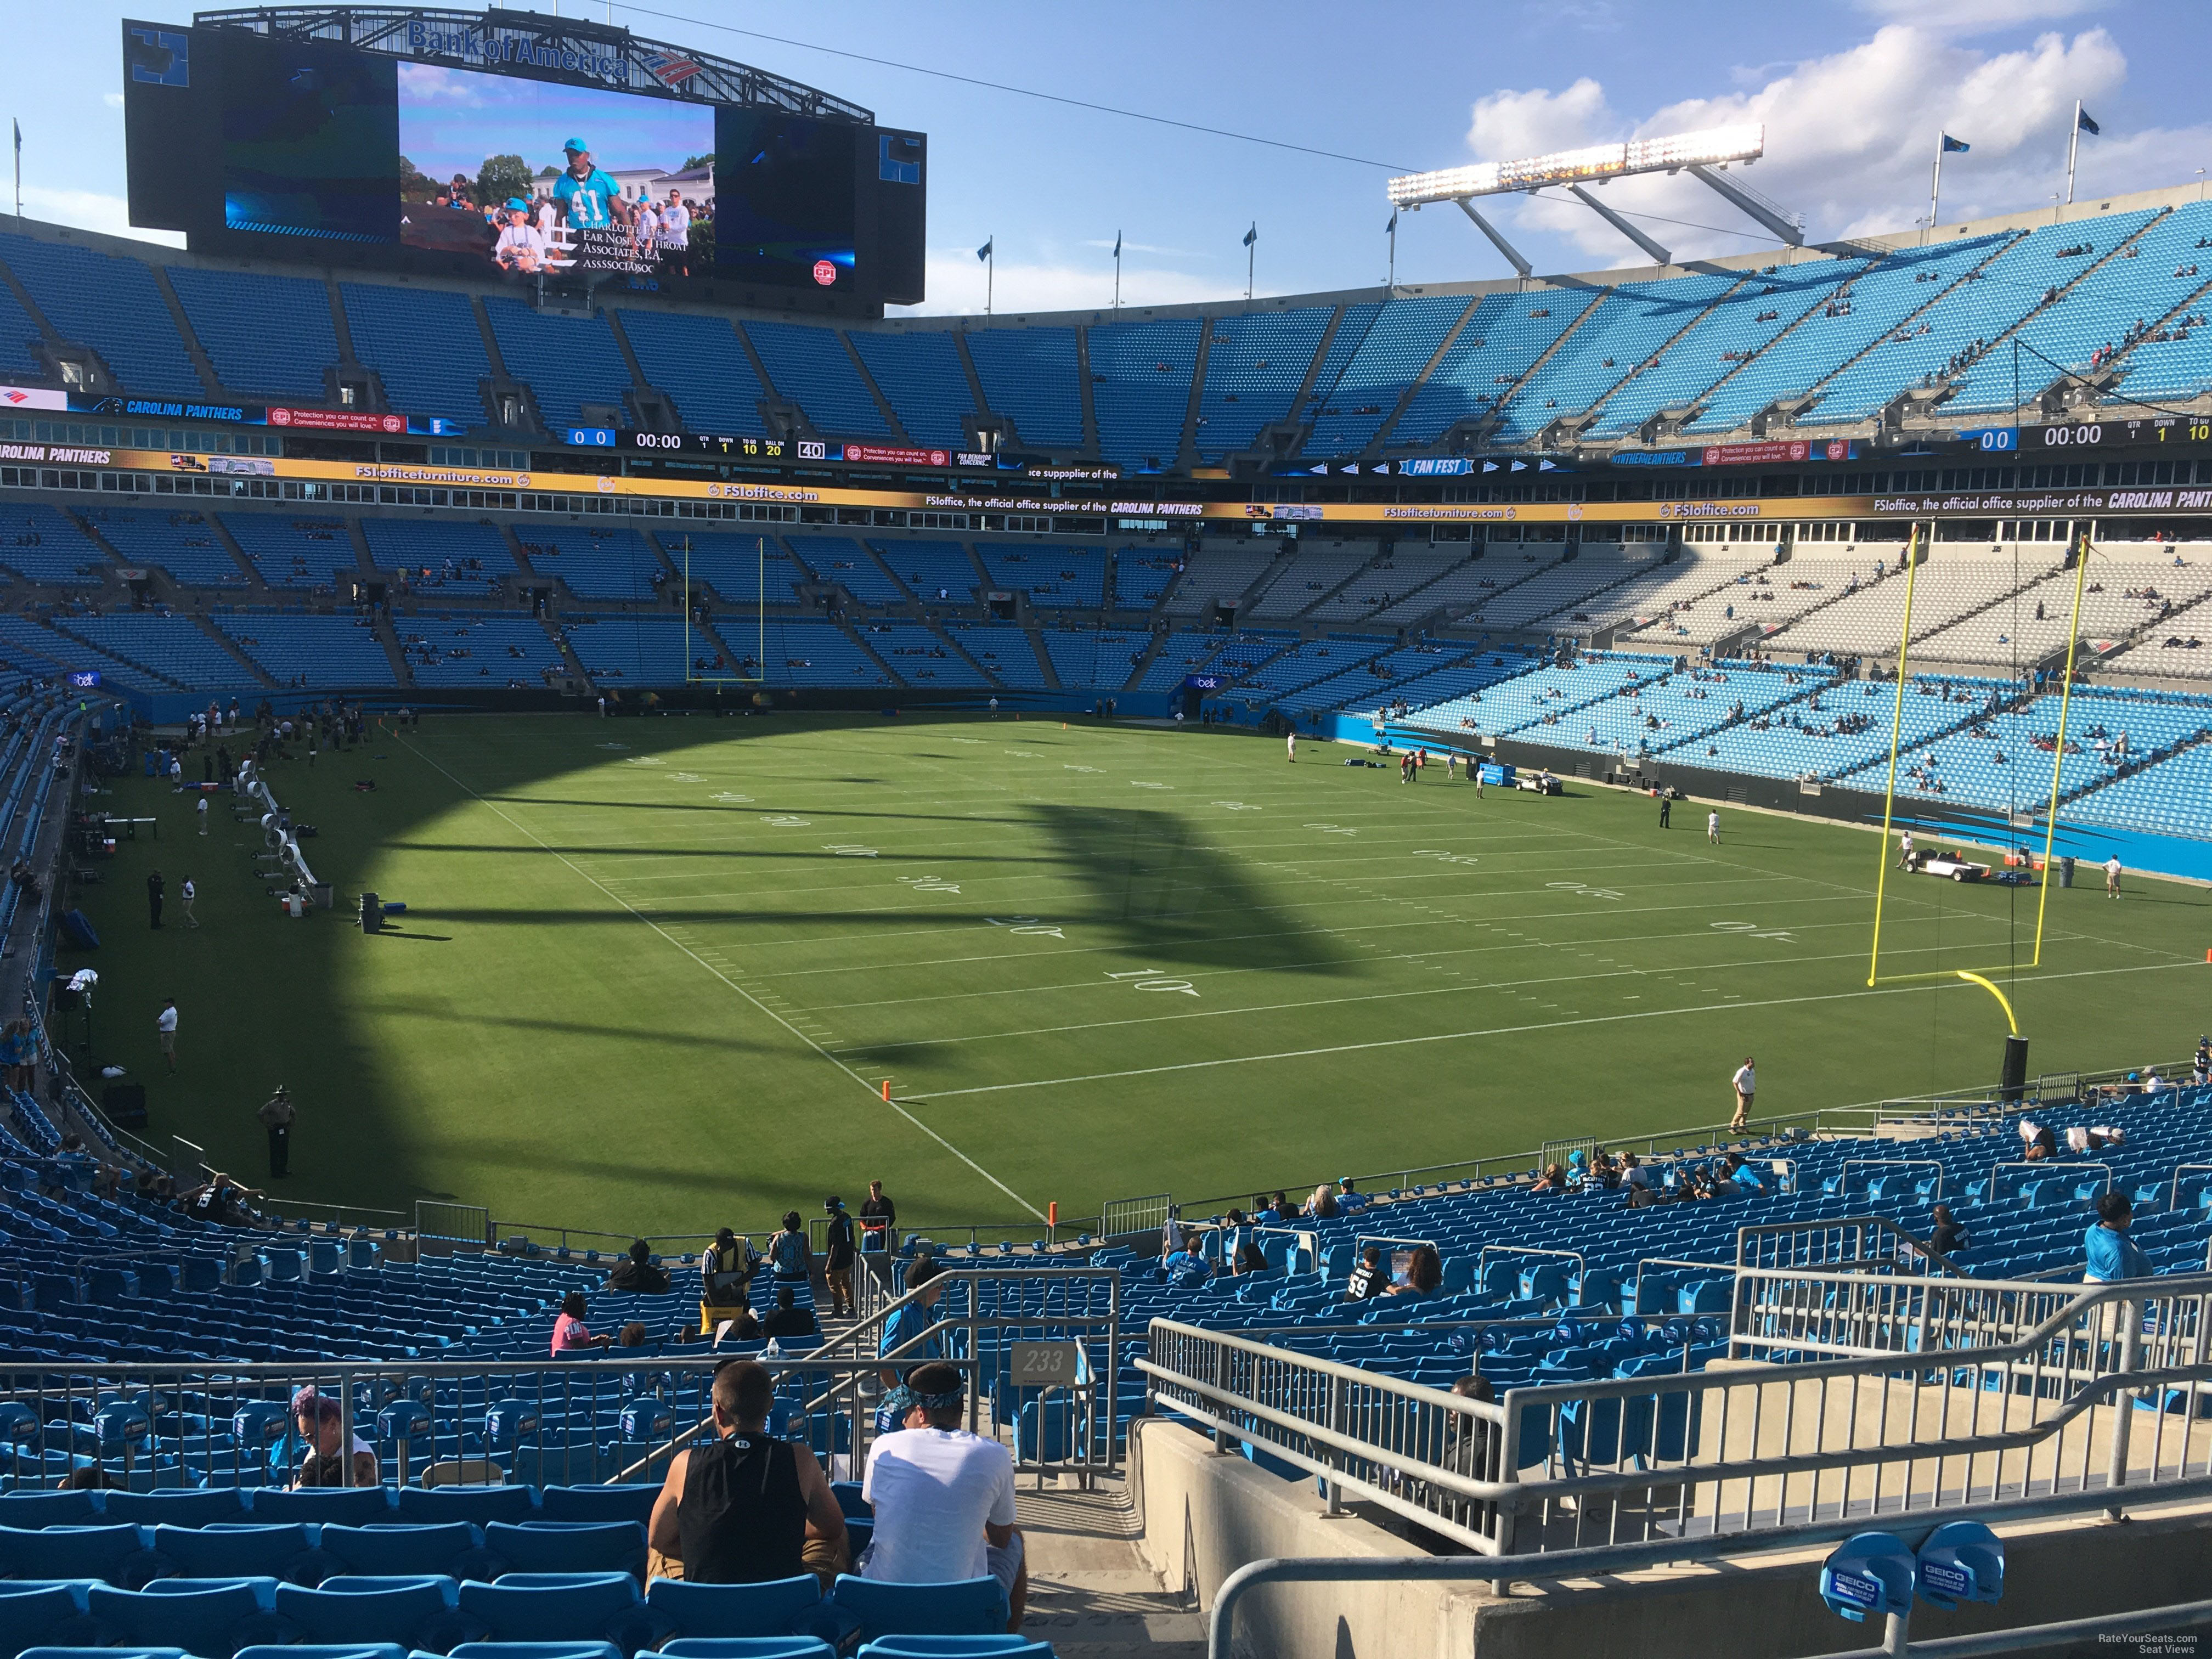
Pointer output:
x,y
320,152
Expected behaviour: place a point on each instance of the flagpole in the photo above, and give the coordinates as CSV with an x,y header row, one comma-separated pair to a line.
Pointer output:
x,y
1251,252
1392,286
990,271
18,125
1935,190
2073,144
1117,273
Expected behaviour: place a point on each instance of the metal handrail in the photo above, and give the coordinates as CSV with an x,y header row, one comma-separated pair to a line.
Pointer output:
x,y
1482,1256
2043,1164
2173,1185
1747,1237
1672,1262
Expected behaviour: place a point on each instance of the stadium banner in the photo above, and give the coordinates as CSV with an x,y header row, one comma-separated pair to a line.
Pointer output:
x,y
1774,511
364,422
1783,450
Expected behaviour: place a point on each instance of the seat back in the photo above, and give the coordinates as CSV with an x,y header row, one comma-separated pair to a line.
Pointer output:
x,y
113,1554
415,1612
328,1651
632,1502
568,1546
749,1647
475,1503
178,1509
450,1551
773,1608
212,1618
34,1509
280,1550
31,1614
968,1607
957,1647
349,1506
553,1607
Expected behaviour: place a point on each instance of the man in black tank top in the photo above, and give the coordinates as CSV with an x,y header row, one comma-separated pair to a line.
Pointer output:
x,y
746,1508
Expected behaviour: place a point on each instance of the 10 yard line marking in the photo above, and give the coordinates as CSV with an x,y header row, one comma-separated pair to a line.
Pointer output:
x,y
586,876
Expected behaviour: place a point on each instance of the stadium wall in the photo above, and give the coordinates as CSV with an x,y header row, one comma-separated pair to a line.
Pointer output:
x,y
1204,1514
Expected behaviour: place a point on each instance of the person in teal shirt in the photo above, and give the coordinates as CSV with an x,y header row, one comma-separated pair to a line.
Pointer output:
x,y
2111,1254
584,195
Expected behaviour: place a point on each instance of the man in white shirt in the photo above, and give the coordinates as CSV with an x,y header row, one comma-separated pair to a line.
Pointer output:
x,y
165,1027
1747,1084
1713,828
644,229
2112,876
944,1498
1905,851
521,245
676,232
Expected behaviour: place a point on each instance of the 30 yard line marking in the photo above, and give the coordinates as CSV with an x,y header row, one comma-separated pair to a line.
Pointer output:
x,y
585,875
1505,1030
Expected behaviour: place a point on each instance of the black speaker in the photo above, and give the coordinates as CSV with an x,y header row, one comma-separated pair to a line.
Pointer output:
x,y
2015,1070
372,914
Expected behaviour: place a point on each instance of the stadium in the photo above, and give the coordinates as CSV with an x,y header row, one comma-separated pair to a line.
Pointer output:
x,y
1241,847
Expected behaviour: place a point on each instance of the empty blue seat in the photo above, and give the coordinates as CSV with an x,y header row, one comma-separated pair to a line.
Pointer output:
x,y
620,1503
282,1551
549,1650
403,1551
178,1509
776,1608
478,1504
212,1618
328,1651
558,1606
104,1653
957,1647
34,1509
748,1647
352,1506
967,1607
55,1614
568,1546
416,1613
112,1554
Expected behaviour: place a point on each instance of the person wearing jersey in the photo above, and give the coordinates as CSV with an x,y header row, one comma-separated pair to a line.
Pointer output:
x,y
583,195
747,1507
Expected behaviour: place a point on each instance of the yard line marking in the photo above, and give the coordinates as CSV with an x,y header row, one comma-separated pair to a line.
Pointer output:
x,y
665,933
1506,1030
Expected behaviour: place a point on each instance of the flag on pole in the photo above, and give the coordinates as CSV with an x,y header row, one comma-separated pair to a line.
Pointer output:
x,y
1117,244
1393,225
2082,119
1955,146
984,251
1253,235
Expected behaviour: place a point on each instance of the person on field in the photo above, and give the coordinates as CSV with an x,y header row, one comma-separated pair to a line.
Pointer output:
x,y
277,1116
155,889
1713,828
165,1029
2111,879
1292,740
1905,851
1666,807
1746,1083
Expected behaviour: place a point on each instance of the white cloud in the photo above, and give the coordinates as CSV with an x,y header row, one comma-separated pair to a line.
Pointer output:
x,y
112,100
1145,247
1849,138
1979,16
90,209
955,279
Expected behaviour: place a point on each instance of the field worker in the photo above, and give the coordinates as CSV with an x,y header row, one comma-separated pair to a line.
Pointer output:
x,y
201,808
1292,740
1666,806
1747,1083
1905,851
2112,876
1713,828
188,893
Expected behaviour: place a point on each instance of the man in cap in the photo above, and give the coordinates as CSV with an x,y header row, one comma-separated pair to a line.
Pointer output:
x,y
584,196
521,245
943,1497
676,232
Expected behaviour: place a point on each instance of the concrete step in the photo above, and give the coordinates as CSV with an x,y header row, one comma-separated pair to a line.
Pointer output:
x,y
1091,1593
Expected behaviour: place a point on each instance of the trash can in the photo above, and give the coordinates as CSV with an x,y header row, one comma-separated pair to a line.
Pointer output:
x,y
2066,872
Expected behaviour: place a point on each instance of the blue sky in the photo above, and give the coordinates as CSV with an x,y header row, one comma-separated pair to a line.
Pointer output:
x,y
451,119
1852,95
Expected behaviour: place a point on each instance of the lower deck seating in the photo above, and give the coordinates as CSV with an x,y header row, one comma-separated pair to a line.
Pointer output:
x,y
307,651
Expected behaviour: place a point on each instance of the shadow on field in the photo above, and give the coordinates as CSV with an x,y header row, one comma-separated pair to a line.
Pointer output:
x,y
1149,875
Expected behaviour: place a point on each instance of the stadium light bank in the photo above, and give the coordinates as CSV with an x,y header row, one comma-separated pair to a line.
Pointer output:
x,y
1695,153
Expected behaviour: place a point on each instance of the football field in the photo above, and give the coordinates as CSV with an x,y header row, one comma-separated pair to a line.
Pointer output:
x,y
654,972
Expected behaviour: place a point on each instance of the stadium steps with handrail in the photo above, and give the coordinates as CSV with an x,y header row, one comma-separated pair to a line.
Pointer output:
x,y
1625,577
883,403
202,364
2119,250
1375,444
1658,353
952,646
637,375
1972,273
1044,657
2157,323
1186,454
205,624
573,663
228,542
1082,390
1819,304
892,676
1287,557
1498,406
1982,610
379,625
1142,665
1365,565
984,414
1542,566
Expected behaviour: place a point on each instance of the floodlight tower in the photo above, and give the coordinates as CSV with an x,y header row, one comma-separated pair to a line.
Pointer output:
x,y
1698,154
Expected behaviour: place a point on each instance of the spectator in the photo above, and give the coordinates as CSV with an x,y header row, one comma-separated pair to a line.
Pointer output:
x,y
220,1200
2111,1254
879,1219
634,1336
1186,1269
570,1334
788,1319
728,1254
1285,1211
90,1477
1370,1278
2038,1141
1553,1180
1349,1199
837,1258
1746,1082
321,1423
1946,1235
1322,1207
913,1319
638,1274
743,1326
788,1254
1425,1273
944,1498
19,1053
1250,1257
747,1507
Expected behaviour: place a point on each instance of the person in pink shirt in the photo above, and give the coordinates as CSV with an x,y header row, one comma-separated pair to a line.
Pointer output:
x,y
569,1331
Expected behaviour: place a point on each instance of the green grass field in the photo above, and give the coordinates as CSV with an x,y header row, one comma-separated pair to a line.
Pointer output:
x,y
653,972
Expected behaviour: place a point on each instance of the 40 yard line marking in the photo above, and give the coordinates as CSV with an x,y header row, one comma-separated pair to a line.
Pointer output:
x,y
585,875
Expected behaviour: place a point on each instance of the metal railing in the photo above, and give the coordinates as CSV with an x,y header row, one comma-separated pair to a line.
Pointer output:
x,y
2025,1392
2046,1166
1120,1217
1857,1243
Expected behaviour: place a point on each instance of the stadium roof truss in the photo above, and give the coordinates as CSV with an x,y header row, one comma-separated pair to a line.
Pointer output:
x,y
1698,154
568,49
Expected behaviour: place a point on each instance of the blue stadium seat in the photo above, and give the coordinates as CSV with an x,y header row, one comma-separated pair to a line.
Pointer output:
x,y
478,1504
46,1612
348,1506
238,1551
568,1546
178,1509
968,1607
748,1647
554,1648
34,1509
632,1502
127,1652
327,1650
775,1607
555,1607
113,1554
213,1618
448,1549
416,1612
958,1647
